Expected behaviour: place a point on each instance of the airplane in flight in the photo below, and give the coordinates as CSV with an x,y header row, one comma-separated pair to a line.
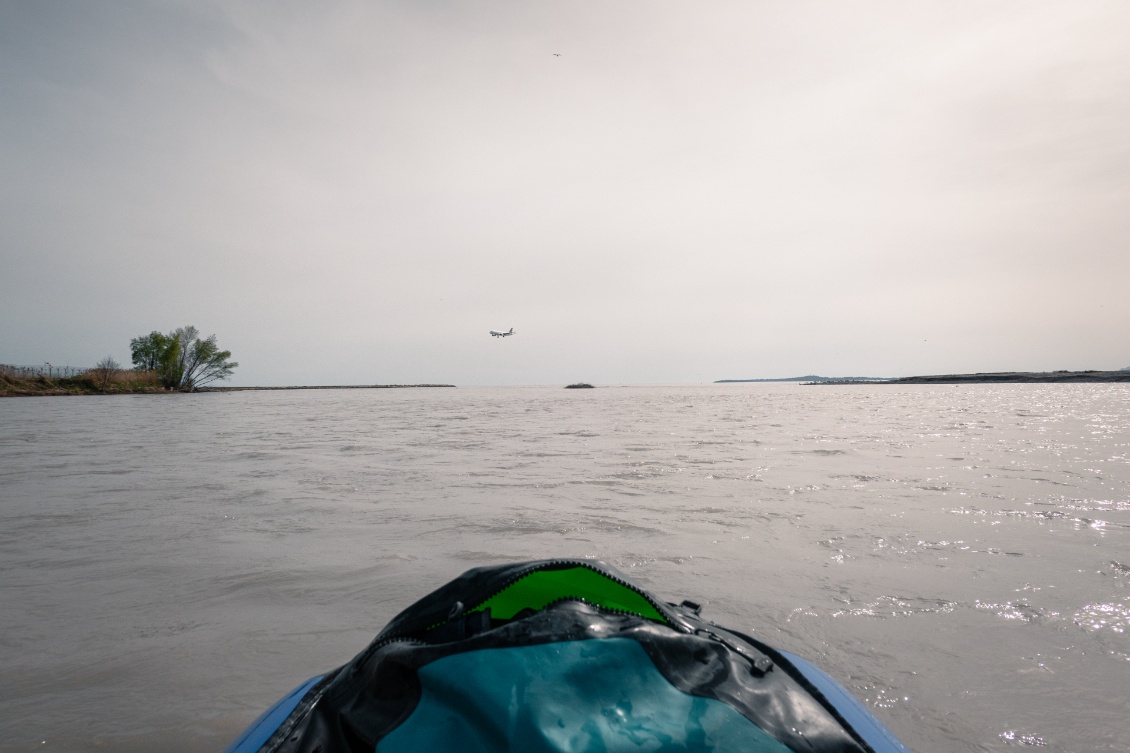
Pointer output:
x,y
496,333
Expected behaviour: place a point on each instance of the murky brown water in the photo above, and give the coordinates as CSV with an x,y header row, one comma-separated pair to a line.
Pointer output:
x,y
958,556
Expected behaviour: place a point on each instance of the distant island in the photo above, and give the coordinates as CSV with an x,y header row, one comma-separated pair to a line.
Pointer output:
x,y
579,386
1007,377
996,377
809,378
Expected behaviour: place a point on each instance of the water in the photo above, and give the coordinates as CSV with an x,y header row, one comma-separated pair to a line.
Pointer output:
x,y
959,557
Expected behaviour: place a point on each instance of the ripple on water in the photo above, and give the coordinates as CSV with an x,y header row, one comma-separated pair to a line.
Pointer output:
x,y
1020,611
1096,505
267,519
1022,738
897,606
1044,516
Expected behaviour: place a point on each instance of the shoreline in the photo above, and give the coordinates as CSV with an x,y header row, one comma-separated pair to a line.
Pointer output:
x,y
44,387
324,387
124,384
118,382
1000,377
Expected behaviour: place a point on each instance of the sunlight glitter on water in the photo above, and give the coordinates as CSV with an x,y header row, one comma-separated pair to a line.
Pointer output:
x,y
1113,617
1018,611
1023,739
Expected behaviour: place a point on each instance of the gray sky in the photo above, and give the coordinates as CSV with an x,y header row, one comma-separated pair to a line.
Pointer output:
x,y
356,192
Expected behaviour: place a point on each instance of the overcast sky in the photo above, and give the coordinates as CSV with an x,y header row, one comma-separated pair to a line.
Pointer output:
x,y
356,192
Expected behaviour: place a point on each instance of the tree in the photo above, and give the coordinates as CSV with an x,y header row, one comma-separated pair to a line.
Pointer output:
x,y
104,371
200,362
181,359
148,351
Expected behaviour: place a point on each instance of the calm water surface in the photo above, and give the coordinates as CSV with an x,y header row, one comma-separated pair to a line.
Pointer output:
x,y
959,557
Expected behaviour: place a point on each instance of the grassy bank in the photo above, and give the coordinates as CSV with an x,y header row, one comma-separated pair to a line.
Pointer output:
x,y
115,382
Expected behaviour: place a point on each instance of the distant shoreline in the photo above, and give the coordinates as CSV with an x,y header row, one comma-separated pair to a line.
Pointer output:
x,y
996,377
1001,377
124,382
808,378
324,387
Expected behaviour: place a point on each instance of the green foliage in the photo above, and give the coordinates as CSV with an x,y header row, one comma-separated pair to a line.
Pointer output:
x,y
181,359
147,352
